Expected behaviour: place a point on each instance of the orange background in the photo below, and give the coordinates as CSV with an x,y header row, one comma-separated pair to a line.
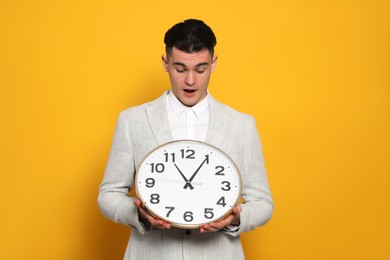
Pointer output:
x,y
315,74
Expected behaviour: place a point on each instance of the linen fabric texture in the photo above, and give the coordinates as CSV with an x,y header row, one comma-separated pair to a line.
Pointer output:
x,y
142,128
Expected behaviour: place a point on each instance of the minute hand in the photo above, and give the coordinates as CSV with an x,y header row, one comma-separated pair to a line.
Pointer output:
x,y
188,184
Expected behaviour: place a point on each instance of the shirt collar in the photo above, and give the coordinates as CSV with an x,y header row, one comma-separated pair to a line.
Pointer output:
x,y
179,108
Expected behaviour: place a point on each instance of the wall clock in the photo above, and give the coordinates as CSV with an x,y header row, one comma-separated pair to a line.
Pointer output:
x,y
188,183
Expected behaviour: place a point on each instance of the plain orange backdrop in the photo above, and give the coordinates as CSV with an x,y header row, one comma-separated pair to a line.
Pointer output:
x,y
315,74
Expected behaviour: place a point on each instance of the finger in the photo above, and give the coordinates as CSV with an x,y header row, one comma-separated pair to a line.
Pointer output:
x,y
163,225
216,226
137,202
209,229
154,221
142,211
145,214
204,228
221,224
237,209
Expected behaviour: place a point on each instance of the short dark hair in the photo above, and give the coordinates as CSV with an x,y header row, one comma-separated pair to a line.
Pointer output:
x,y
190,36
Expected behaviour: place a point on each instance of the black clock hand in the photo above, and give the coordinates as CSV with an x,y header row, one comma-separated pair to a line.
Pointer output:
x,y
188,184
184,177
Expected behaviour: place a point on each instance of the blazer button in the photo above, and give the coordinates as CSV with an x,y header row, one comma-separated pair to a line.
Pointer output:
x,y
187,232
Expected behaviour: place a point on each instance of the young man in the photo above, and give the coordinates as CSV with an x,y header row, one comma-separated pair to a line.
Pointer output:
x,y
187,111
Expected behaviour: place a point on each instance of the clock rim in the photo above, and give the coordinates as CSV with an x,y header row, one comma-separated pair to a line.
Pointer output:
x,y
182,225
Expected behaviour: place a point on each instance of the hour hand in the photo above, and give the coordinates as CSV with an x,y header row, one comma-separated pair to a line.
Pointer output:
x,y
185,179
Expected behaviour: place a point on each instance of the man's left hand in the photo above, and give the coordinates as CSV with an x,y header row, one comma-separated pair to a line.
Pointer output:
x,y
232,219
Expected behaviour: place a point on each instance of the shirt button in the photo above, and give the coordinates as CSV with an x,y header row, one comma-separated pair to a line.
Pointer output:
x,y
187,232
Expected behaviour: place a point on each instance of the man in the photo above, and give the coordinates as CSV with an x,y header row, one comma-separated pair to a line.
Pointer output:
x,y
187,111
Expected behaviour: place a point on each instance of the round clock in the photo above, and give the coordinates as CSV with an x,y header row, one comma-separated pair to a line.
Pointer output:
x,y
188,183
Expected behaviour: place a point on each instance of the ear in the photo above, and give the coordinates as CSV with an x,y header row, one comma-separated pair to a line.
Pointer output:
x,y
214,63
164,60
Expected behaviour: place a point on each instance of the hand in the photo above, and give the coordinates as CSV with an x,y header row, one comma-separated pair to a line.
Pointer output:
x,y
185,179
232,219
154,221
193,175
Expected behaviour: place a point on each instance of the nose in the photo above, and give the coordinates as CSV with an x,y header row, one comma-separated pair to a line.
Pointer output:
x,y
190,79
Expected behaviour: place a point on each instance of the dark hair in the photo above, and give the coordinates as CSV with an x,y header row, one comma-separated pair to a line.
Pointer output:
x,y
190,36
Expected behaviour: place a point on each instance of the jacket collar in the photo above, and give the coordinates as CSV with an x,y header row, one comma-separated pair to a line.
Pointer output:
x,y
156,112
219,122
158,119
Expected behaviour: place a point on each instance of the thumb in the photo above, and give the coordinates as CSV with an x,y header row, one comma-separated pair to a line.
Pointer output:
x,y
237,210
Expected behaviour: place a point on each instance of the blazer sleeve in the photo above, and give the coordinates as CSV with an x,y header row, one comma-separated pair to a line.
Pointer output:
x,y
113,199
257,208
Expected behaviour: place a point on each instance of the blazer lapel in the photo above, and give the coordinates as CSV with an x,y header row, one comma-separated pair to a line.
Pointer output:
x,y
158,119
219,121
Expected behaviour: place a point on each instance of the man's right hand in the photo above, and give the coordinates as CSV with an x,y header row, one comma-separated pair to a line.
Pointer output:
x,y
154,221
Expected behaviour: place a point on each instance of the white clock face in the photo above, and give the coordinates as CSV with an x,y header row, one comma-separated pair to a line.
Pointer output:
x,y
188,183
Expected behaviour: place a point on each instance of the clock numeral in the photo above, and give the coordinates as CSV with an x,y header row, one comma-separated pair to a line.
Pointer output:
x,y
190,154
158,167
149,182
188,216
227,186
208,213
167,157
220,170
154,198
170,209
207,158
221,202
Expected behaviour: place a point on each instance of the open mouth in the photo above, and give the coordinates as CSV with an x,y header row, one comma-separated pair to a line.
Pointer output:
x,y
189,90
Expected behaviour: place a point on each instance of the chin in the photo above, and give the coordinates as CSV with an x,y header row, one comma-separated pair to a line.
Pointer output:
x,y
189,102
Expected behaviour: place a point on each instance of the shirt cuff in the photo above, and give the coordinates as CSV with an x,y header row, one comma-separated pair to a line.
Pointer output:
x,y
232,228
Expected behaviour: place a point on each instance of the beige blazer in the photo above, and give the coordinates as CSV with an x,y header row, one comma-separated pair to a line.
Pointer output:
x,y
142,128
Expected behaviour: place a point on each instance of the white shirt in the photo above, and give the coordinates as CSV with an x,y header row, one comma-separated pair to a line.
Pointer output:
x,y
188,122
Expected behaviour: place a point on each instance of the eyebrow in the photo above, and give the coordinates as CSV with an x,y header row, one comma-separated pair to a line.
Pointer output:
x,y
197,65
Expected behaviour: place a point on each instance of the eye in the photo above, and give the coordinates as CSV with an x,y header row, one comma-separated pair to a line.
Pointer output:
x,y
180,70
201,69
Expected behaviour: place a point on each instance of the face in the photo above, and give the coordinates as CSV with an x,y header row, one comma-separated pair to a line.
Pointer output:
x,y
189,74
